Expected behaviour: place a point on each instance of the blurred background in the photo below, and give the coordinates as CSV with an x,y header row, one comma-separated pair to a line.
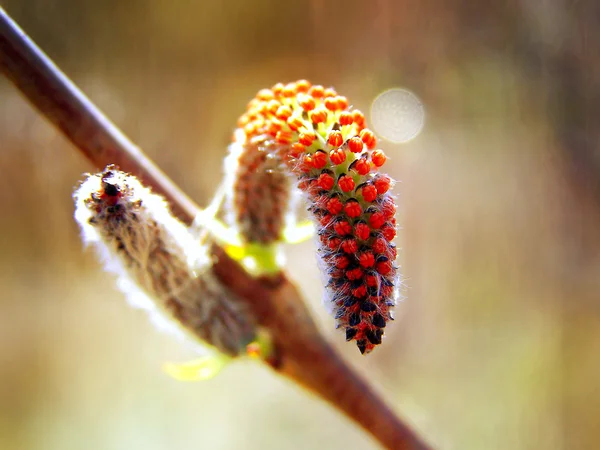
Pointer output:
x,y
497,343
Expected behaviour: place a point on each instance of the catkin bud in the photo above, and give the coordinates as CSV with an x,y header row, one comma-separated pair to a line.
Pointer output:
x,y
159,261
310,133
258,192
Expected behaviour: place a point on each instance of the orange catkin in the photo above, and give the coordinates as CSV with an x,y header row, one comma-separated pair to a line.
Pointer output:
x,y
308,134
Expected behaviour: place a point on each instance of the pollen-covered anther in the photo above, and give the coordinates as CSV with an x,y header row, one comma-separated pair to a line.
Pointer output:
x,y
377,220
326,181
384,267
382,184
355,144
349,246
388,208
329,92
369,193
342,102
342,228
274,126
303,185
283,112
277,89
284,137
306,139
335,138
325,221
305,164
272,106
378,158
362,231
320,201
366,259
334,243
359,118
369,139
306,102
319,159
289,90
380,245
302,86
354,274
346,183
360,166
265,94
318,115
317,91
337,156
352,208
345,118
389,232
330,103
341,262
295,123
372,280
386,291
334,206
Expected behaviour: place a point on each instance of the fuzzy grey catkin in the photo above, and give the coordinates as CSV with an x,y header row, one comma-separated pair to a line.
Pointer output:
x,y
161,266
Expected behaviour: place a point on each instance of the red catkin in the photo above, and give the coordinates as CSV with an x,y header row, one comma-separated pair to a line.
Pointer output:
x,y
308,131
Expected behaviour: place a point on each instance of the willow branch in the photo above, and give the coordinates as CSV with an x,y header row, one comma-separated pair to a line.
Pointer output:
x,y
302,353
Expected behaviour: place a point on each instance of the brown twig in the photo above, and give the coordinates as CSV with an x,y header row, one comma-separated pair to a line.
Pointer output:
x,y
302,354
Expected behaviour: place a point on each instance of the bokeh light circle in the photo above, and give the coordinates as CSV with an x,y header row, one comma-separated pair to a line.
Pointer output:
x,y
397,115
